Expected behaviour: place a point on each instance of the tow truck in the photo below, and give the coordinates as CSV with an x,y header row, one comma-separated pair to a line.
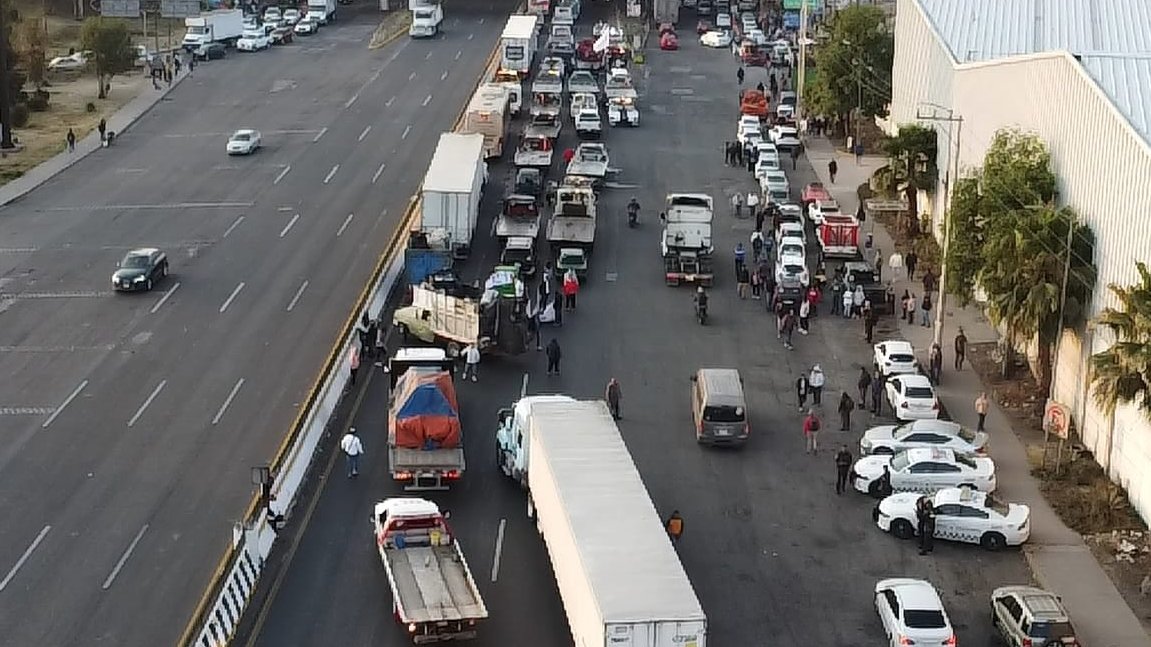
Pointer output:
x,y
546,122
535,151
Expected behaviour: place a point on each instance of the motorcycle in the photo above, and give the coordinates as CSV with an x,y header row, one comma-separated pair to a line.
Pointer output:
x,y
632,218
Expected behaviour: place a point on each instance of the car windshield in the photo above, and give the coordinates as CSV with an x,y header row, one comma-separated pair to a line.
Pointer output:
x,y
1052,630
899,462
791,250
241,137
723,414
515,255
901,357
134,261
793,269
920,392
924,619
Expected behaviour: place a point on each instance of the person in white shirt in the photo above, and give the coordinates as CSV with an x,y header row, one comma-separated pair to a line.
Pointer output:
x,y
353,449
816,380
752,202
895,262
472,363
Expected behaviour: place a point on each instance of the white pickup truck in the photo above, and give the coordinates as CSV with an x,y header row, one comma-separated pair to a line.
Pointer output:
x,y
433,592
590,161
588,124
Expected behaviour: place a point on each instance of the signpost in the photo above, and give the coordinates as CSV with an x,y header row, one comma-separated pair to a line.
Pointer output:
x,y
1057,422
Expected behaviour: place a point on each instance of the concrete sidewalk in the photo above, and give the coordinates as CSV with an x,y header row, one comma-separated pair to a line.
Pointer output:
x,y
118,123
1058,557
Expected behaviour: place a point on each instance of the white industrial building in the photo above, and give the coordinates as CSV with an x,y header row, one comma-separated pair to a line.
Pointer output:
x,y
1078,74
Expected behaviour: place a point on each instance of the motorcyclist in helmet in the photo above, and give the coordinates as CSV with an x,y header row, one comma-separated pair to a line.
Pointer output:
x,y
633,206
700,299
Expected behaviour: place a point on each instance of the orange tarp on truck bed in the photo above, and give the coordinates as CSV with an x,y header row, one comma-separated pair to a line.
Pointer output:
x,y
424,413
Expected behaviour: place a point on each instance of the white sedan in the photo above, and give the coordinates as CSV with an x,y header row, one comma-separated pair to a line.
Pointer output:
x,y
791,231
764,164
895,357
74,61
785,137
891,439
253,42
716,39
912,397
924,470
912,613
775,184
244,142
792,268
960,515
306,27
291,17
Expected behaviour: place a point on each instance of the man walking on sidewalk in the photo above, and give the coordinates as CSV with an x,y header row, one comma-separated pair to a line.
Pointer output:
x,y
960,349
816,380
842,468
71,139
811,427
910,261
864,385
554,355
981,406
353,449
832,169
613,395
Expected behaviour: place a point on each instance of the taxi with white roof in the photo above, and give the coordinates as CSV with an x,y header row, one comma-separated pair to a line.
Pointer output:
x,y
924,470
961,514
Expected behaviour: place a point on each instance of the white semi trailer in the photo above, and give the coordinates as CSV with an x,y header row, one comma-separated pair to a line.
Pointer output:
x,y
619,577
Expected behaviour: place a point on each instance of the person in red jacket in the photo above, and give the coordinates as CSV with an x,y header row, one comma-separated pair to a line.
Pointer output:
x,y
570,289
811,425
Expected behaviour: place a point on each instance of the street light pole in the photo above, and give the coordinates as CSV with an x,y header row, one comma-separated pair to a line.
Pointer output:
x,y
955,121
802,77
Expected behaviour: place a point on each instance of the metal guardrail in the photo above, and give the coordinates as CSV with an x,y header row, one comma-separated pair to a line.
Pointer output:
x,y
218,613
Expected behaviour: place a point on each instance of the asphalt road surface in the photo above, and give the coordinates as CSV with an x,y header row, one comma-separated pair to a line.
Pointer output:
x,y
773,553
132,421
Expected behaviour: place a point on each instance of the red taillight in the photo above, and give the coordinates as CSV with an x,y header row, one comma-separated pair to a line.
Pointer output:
x,y
904,640
402,476
951,642
982,451
1026,642
452,474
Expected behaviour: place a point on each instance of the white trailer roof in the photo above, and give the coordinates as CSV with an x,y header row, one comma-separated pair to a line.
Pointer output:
x,y
635,571
453,167
520,26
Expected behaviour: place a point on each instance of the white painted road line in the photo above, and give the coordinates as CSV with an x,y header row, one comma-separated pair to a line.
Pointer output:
x,y
232,297
367,129
164,299
407,129
379,171
427,100
459,53
235,224
227,401
144,407
349,102
23,558
124,558
282,174
471,36
499,549
443,75
288,227
482,21
388,103
412,76
331,174
524,385
427,56
347,221
67,401
166,207
319,134
296,297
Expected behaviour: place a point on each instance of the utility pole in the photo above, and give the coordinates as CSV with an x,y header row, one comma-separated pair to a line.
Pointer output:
x,y
5,90
858,101
956,122
801,79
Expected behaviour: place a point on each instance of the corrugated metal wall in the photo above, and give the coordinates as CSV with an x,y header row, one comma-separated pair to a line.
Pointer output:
x,y
1103,168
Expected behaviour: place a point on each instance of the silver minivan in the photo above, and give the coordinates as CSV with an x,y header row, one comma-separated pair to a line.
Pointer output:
x,y
718,407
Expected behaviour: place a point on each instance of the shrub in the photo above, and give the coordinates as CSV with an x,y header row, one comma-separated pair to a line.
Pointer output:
x,y
20,114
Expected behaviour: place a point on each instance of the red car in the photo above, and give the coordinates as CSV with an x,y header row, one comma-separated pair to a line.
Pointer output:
x,y
815,191
669,42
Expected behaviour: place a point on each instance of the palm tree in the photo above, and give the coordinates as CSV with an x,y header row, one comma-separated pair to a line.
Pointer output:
x,y
1122,373
911,166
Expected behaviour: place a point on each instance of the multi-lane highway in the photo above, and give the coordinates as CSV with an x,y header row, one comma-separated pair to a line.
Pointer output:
x,y
773,553
130,422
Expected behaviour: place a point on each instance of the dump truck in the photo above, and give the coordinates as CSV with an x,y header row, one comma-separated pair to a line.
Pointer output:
x,y
686,239
434,595
425,451
588,500
488,318
573,220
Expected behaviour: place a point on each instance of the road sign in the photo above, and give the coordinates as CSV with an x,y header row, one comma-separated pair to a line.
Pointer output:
x,y
1056,419
179,8
120,8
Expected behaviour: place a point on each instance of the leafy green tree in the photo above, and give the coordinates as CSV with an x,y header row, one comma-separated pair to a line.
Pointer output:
x,y
911,166
858,52
111,47
1122,373
1018,167
965,250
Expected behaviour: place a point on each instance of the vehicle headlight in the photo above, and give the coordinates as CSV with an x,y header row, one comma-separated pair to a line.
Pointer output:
x,y
139,278
115,279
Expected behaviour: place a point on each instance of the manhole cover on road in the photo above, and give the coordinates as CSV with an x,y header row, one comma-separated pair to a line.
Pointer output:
x,y
610,277
682,92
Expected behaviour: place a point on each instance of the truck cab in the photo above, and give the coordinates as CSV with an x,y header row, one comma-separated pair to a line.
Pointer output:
x,y
513,439
426,20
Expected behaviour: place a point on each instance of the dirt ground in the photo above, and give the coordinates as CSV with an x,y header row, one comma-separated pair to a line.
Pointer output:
x,y
43,136
1078,489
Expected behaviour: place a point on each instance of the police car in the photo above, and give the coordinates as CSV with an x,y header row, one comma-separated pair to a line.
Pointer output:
x,y
890,439
961,514
924,470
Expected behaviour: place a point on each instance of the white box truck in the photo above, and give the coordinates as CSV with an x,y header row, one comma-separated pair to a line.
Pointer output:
x,y
322,11
518,44
427,17
450,197
619,577
220,26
